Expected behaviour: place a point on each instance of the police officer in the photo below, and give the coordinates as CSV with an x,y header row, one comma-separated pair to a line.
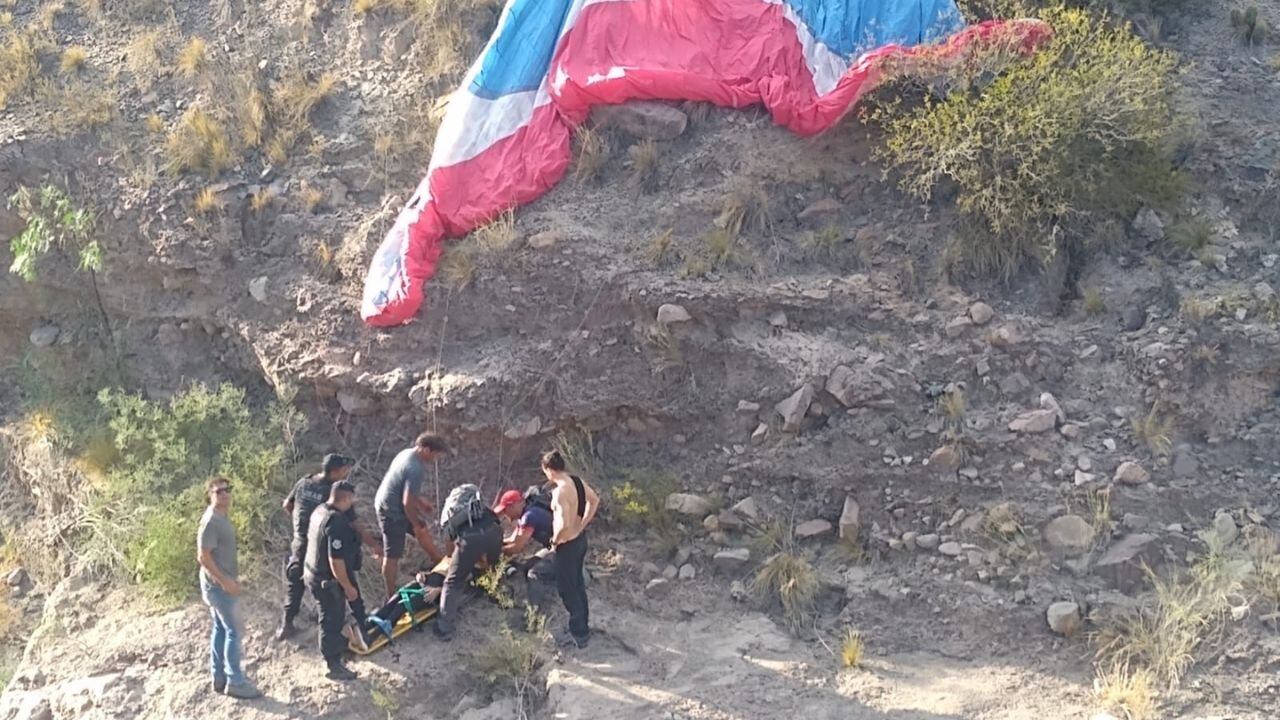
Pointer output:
x,y
308,494
332,548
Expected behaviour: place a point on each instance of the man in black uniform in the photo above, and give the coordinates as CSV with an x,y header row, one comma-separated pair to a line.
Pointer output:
x,y
332,547
308,494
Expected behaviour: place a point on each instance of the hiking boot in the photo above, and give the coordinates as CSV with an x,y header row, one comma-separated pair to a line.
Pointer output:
x,y
243,691
338,671
219,685
568,639
286,630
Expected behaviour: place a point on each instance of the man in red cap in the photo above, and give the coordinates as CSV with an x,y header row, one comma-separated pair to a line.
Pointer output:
x,y
531,514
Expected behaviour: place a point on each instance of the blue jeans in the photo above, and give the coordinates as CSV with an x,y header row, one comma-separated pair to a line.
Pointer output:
x,y
228,628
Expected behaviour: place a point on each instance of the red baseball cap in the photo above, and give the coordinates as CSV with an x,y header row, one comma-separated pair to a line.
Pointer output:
x,y
507,499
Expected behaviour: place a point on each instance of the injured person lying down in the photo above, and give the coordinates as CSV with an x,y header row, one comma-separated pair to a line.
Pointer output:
x,y
412,605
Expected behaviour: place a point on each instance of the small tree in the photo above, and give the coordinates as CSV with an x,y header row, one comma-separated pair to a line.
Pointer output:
x,y
54,223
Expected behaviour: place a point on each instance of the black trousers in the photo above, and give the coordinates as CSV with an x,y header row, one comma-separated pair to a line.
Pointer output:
x,y
478,541
333,614
541,582
569,558
293,572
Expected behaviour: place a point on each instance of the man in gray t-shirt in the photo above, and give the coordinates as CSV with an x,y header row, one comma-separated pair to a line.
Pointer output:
x,y
220,588
401,508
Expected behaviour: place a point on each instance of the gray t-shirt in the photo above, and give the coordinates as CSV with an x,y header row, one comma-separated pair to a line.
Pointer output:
x,y
219,538
406,471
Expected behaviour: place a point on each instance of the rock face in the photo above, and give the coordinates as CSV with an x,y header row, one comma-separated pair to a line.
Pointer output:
x,y
1131,473
670,313
691,505
849,520
357,404
859,387
813,529
1122,564
793,408
1034,421
1064,618
644,119
729,561
1069,533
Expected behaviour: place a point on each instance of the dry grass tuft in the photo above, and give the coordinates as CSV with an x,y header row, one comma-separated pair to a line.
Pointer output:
x,y
458,265
1154,429
19,67
498,235
154,124
199,142
312,197
852,649
1117,688
747,207
252,112
1198,309
1094,304
192,59
207,202
73,60
644,157
262,199
593,155
142,58
79,107
656,249
295,96
792,581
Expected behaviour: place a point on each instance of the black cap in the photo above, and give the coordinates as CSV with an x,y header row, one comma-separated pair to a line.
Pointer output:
x,y
342,486
334,461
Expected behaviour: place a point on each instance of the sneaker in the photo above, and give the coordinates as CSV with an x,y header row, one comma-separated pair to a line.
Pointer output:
x,y
244,691
382,625
219,685
286,630
338,671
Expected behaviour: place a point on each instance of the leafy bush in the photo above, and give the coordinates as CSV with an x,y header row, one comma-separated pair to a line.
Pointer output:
x,y
1041,147
140,519
53,221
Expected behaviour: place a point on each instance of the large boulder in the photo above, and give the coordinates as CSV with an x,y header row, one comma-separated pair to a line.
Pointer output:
x,y
1034,421
671,313
1131,473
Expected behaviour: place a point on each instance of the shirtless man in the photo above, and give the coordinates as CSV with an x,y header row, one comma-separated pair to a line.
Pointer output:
x,y
573,506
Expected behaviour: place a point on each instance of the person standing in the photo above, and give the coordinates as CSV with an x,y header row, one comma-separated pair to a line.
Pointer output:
x,y
475,538
332,548
220,589
308,494
573,506
401,509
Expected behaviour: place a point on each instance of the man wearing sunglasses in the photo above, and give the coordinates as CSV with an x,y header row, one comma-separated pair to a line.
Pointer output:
x,y
216,553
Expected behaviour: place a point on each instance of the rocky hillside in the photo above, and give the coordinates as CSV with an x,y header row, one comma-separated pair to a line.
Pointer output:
x,y
978,473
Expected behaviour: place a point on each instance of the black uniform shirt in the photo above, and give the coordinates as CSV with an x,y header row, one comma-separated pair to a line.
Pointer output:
x,y
308,494
331,535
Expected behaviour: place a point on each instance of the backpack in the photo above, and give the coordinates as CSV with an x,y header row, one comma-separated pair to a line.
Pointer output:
x,y
463,507
537,497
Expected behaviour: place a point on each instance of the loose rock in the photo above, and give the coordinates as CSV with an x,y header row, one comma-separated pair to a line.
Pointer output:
x,y
644,119
849,520
928,541
1134,318
747,509
691,505
1064,618
793,408
813,529
731,560
1034,421
981,313
670,313
859,388
950,549
1069,532
956,326
687,572
258,288
356,404
1131,473
746,407
17,577
1123,563
657,588
1224,529
945,458
44,335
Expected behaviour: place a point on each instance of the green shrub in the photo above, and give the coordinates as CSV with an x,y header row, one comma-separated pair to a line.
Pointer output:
x,y
1039,148
52,221
147,507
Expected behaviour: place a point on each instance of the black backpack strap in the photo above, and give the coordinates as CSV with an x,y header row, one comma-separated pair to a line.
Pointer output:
x,y
582,495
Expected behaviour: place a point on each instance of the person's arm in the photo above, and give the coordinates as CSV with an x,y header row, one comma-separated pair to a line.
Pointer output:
x,y
205,558
368,539
339,568
593,504
518,542
288,501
